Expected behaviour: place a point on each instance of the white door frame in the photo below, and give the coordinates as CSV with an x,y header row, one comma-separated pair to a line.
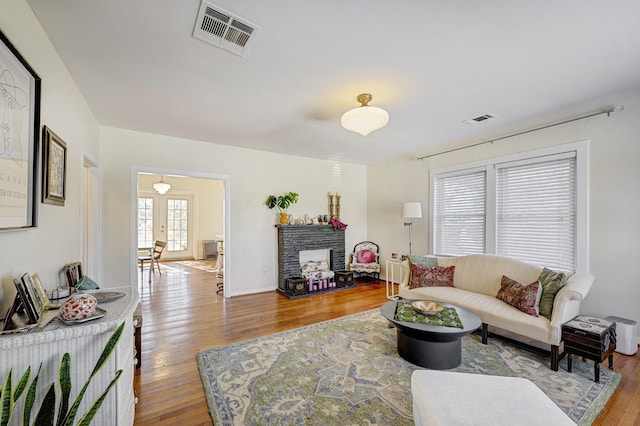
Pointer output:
x,y
133,216
90,218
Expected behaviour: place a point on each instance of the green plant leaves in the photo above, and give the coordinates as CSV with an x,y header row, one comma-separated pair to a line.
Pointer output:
x,y
47,409
30,399
22,384
108,349
282,202
7,404
64,377
8,398
46,413
88,416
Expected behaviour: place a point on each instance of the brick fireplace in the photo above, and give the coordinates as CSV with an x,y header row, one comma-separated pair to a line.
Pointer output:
x,y
292,239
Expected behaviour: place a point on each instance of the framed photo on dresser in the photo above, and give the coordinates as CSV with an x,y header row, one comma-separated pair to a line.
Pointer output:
x,y
32,293
25,303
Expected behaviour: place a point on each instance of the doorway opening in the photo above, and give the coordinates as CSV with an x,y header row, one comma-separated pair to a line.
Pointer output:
x,y
190,214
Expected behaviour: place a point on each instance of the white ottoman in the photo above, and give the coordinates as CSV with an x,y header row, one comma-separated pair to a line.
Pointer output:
x,y
448,398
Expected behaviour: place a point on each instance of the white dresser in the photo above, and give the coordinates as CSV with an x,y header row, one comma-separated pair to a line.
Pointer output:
x,y
84,342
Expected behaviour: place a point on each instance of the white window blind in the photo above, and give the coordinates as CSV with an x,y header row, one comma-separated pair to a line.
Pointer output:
x,y
459,213
536,211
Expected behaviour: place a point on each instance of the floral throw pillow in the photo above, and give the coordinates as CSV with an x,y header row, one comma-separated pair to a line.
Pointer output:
x,y
525,297
431,276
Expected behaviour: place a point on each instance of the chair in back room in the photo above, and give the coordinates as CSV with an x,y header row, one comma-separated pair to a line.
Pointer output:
x,y
153,256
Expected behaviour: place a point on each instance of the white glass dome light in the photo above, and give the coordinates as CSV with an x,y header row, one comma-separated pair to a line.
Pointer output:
x,y
364,119
161,187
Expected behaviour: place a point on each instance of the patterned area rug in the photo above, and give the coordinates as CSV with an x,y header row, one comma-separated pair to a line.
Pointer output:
x,y
347,371
203,265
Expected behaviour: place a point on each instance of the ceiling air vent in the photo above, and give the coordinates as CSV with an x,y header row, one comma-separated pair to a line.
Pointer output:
x,y
479,119
223,29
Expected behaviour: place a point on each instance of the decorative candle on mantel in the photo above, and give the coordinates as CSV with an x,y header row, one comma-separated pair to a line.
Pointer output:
x,y
330,195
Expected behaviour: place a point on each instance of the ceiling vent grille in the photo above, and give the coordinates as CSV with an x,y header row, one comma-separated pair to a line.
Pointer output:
x,y
480,119
223,29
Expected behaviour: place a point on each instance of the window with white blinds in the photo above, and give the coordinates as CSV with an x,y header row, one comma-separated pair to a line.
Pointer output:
x,y
536,212
531,206
459,213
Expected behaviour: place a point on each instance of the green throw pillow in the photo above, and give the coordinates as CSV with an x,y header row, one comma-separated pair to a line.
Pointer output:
x,y
552,282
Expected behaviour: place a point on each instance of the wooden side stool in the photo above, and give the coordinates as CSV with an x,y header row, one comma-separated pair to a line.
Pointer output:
x,y
591,338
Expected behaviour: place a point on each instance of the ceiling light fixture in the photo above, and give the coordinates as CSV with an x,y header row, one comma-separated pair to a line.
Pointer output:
x,y
364,119
161,187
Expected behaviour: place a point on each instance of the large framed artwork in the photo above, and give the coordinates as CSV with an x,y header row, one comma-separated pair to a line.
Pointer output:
x,y
19,132
54,168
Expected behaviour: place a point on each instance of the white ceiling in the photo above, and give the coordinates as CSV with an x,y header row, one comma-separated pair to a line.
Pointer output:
x,y
430,64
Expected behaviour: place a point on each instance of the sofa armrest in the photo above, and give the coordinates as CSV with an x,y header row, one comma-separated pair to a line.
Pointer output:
x,y
406,273
566,305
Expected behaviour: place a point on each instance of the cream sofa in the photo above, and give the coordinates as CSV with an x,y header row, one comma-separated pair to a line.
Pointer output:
x,y
476,282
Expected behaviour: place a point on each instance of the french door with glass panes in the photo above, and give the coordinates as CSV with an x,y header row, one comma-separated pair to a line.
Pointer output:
x,y
167,218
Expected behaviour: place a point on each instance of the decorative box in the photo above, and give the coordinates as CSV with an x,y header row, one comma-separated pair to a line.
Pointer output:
x,y
296,286
589,338
588,333
344,278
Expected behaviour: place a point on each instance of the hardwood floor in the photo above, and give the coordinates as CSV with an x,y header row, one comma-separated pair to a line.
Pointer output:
x,y
183,315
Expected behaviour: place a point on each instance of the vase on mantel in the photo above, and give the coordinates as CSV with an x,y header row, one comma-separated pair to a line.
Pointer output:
x,y
284,218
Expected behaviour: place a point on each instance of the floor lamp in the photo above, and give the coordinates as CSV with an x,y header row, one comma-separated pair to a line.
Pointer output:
x,y
412,210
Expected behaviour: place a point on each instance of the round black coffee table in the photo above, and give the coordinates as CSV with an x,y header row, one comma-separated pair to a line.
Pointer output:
x,y
432,346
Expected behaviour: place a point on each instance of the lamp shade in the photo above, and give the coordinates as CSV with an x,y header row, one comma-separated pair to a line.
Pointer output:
x,y
411,210
364,119
161,187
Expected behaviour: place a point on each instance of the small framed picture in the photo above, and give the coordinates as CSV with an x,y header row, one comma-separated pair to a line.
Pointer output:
x,y
42,293
26,302
54,168
395,256
32,294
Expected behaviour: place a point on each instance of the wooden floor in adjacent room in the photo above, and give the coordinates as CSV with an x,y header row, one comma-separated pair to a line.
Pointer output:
x,y
183,315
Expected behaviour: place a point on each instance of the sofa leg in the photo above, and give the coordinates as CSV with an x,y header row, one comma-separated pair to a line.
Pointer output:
x,y
485,333
555,357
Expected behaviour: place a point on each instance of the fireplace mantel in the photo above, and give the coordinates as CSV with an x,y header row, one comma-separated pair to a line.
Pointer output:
x,y
292,239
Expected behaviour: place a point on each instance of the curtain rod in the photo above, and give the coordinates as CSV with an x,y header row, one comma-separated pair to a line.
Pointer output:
x,y
607,111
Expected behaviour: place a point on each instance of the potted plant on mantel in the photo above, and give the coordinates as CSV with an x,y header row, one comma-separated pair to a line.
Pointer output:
x,y
282,202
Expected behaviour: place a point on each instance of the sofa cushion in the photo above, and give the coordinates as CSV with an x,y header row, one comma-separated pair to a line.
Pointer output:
x,y
525,297
366,256
431,276
482,273
551,282
423,260
491,311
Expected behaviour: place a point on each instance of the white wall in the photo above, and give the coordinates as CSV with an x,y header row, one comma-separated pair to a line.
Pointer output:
x,y
614,175
250,242
58,238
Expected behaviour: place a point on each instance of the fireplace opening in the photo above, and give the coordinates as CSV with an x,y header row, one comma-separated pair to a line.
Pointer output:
x,y
315,268
320,256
